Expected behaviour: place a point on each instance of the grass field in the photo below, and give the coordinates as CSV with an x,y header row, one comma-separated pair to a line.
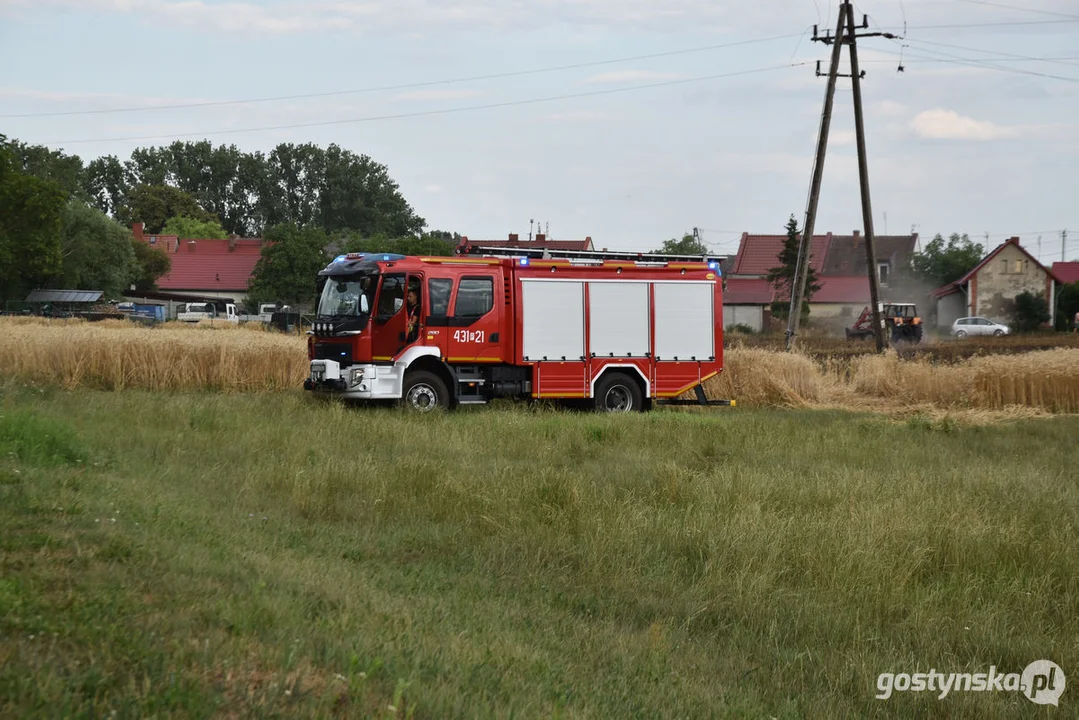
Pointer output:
x,y
193,554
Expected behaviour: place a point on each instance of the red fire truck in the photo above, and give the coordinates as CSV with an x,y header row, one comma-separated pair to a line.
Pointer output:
x,y
617,331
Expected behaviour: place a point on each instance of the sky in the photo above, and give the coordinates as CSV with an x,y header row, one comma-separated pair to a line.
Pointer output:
x,y
629,121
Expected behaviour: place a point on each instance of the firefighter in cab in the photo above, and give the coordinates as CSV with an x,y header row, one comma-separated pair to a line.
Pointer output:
x,y
413,311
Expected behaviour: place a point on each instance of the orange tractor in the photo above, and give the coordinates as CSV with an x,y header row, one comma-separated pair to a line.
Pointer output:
x,y
901,321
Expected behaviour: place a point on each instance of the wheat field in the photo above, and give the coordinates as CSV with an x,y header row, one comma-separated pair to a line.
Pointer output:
x,y
117,355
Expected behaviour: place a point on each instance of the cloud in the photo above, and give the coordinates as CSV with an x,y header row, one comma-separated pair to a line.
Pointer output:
x,y
424,95
574,116
842,137
629,76
889,108
296,16
411,16
949,125
94,101
433,188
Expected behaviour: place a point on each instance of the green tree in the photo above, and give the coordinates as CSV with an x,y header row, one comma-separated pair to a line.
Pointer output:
x,y
106,184
97,251
31,215
41,162
1067,306
357,193
781,277
150,166
150,264
187,227
1031,311
288,270
423,245
291,184
688,245
943,262
155,205
223,179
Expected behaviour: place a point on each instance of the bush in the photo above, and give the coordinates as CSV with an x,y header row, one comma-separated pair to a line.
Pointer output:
x,y
1031,311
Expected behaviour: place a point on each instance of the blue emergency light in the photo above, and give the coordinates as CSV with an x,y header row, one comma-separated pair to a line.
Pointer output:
x,y
524,261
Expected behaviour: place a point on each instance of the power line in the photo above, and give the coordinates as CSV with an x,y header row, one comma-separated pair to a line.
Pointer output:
x,y
987,65
989,52
963,26
1020,9
923,58
443,111
406,86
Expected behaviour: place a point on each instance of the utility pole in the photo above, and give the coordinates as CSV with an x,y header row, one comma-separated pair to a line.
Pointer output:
x,y
801,267
1063,242
845,33
863,180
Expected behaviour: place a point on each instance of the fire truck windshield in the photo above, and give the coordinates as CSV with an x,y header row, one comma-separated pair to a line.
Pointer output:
x,y
347,296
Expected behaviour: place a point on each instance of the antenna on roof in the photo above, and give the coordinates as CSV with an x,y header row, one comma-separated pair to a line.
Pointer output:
x,y
530,222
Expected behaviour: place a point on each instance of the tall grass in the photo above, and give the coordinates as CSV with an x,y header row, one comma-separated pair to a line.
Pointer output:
x,y
112,355
1047,380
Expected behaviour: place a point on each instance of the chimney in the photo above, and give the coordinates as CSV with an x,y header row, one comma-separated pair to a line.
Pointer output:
x,y
540,237
191,246
232,241
856,234
513,237
136,230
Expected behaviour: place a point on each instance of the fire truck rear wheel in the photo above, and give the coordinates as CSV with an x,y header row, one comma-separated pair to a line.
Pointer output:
x,y
617,392
424,392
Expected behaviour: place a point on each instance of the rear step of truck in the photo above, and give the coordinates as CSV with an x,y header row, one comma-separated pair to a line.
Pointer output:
x,y
701,399
470,384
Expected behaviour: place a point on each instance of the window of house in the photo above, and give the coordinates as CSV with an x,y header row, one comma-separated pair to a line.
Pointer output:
x,y
883,271
475,296
1018,266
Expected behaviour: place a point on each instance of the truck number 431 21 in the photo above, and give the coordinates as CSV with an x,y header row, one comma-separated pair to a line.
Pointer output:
x,y
472,336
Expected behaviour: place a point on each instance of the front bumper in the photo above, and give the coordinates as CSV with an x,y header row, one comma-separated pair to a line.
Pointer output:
x,y
355,382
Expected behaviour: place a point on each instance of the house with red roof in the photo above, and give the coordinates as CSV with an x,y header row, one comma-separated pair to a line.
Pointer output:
x,y
203,270
542,242
990,288
1066,272
840,265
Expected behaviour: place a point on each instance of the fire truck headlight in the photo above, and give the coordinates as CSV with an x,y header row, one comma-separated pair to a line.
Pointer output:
x,y
355,377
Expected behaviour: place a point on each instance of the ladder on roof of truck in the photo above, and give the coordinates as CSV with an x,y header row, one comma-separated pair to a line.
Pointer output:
x,y
548,254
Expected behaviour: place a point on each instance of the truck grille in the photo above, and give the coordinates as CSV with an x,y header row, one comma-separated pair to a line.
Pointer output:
x,y
341,352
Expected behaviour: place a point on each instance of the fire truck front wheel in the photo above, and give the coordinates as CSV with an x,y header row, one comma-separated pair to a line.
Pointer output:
x,y
617,392
424,392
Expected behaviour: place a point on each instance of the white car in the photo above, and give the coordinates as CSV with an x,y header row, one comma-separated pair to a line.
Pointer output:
x,y
978,326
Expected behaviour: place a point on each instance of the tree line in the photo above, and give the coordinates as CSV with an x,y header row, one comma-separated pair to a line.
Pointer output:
x,y
64,223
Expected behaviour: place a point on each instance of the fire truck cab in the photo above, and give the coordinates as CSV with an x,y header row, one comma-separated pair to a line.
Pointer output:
x,y
616,330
